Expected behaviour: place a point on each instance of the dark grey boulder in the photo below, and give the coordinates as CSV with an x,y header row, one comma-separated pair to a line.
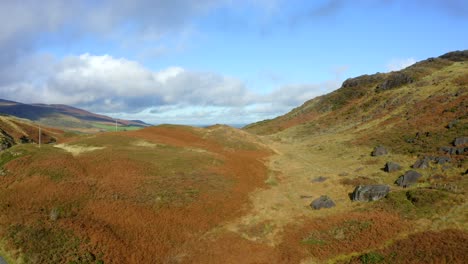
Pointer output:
x,y
322,202
422,163
391,166
2,260
379,151
460,141
409,178
367,193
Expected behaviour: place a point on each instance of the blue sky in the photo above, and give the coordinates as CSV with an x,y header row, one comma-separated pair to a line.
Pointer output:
x,y
203,62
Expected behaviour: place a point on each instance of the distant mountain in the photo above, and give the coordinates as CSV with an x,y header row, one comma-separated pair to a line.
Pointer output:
x,y
65,117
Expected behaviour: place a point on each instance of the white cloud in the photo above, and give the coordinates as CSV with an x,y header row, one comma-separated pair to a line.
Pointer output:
x,y
115,85
398,64
107,84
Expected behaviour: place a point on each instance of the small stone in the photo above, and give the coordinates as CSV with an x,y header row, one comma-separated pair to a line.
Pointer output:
x,y
379,151
54,214
322,202
460,141
320,179
442,160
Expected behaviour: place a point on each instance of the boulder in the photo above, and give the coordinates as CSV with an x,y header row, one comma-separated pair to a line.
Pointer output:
x,y
392,166
322,202
367,193
460,141
379,151
409,178
422,163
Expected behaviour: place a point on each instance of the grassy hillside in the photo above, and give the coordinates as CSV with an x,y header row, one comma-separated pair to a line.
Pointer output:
x,y
17,131
388,107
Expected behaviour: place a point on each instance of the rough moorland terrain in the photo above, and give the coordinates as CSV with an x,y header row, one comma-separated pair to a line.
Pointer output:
x,y
375,172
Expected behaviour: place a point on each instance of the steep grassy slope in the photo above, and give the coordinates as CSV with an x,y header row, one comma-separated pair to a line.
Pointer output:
x,y
66,117
388,107
323,148
16,131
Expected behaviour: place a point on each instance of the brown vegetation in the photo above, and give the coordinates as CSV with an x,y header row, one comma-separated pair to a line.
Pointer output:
x,y
323,238
125,204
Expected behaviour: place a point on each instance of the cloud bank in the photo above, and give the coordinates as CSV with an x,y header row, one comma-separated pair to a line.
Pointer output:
x,y
106,84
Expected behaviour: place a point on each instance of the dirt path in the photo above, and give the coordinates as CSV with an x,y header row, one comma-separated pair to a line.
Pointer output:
x,y
292,187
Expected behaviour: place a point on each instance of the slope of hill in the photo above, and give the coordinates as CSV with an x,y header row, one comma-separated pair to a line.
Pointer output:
x,y
66,117
15,131
385,107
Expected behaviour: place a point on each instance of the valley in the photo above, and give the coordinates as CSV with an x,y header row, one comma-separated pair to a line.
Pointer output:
x,y
181,194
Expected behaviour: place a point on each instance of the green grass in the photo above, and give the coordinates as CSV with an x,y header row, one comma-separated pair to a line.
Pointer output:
x,y
41,244
371,258
419,203
111,128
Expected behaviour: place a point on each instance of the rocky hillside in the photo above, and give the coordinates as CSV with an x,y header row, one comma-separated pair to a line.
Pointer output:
x,y
422,106
64,116
19,131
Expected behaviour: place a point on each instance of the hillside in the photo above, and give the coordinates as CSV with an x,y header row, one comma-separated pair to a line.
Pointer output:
x,y
388,108
21,131
66,117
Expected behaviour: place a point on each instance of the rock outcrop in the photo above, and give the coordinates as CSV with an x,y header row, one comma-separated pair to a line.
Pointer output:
x,y
6,141
367,193
409,178
379,151
395,80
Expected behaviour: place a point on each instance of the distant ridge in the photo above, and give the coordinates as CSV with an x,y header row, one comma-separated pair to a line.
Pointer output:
x,y
63,116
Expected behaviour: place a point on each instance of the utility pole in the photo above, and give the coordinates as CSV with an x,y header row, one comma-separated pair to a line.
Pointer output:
x,y
115,125
39,136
